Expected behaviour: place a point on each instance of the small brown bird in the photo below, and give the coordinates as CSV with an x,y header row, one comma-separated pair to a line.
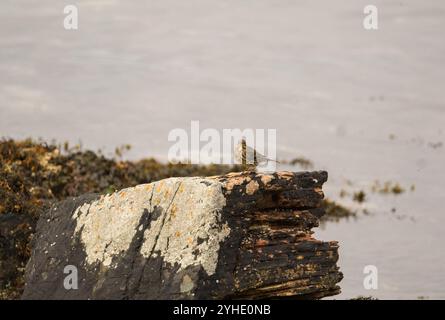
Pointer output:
x,y
248,157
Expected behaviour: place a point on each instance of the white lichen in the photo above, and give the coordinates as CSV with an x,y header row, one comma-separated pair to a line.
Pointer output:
x,y
109,224
185,228
190,232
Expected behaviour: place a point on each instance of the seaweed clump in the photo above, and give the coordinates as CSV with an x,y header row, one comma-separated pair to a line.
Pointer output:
x,y
335,211
389,188
302,162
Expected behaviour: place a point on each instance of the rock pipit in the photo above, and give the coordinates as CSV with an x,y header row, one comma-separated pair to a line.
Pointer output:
x,y
248,157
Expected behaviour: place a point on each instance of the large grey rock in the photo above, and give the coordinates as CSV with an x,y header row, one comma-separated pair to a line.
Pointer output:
x,y
242,235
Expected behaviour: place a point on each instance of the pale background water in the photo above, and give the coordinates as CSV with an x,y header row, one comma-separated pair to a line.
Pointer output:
x,y
335,93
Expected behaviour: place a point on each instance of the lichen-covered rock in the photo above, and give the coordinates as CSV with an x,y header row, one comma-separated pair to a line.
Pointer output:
x,y
241,235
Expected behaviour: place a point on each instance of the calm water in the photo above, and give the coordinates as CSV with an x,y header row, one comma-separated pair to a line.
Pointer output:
x,y
335,93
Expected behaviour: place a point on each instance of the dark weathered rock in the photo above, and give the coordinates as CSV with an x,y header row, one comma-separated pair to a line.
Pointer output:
x,y
242,235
